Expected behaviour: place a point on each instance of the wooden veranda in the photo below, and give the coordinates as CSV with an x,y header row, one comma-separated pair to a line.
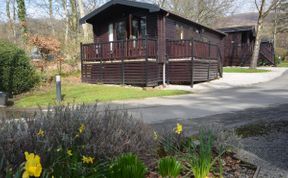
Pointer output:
x,y
135,62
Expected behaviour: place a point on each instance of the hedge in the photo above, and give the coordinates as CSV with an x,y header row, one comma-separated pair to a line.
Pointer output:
x,y
17,75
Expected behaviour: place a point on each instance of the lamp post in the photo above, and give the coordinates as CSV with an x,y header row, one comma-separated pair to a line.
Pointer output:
x,y
58,88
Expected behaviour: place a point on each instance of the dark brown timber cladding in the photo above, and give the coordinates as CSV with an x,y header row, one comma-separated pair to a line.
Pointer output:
x,y
180,71
111,73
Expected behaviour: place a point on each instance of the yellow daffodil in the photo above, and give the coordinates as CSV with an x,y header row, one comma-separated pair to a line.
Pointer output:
x,y
69,153
87,159
155,135
40,133
81,128
179,128
33,166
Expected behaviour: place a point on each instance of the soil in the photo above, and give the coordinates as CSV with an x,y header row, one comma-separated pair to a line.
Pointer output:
x,y
232,168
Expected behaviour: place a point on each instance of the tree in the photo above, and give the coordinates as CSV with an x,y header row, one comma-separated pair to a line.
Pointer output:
x,y
82,14
201,11
11,25
22,19
51,16
282,16
262,13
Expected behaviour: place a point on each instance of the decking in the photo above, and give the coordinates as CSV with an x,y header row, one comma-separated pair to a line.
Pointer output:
x,y
135,62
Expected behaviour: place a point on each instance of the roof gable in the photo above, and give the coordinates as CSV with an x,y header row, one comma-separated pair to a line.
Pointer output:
x,y
149,7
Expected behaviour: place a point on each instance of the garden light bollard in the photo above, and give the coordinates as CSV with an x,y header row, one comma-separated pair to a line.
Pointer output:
x,y
58,88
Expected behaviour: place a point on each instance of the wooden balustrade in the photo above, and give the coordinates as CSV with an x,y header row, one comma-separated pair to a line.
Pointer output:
x,y
117,50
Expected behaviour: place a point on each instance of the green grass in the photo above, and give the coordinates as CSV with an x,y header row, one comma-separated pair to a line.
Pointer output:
x,y
88,93
283,64
243,70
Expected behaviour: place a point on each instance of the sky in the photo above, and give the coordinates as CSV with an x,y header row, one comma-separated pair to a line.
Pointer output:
x,y
33,10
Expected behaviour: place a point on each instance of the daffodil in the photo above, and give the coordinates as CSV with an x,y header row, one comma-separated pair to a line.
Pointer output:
x,y
81,128
69,153
33,166
179,128
40,133
155,135
87,159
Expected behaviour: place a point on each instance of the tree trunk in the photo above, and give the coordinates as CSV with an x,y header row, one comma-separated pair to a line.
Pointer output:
x,y
257,44
65,8
74,20
82,14
51,17
22,19
10,20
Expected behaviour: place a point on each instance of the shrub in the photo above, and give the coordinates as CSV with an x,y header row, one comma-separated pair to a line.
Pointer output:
x,y
199,157
169,167
127,166
83,129
17,75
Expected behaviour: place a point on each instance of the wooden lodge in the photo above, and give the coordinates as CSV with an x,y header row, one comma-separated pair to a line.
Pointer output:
x,y
239,46
141,44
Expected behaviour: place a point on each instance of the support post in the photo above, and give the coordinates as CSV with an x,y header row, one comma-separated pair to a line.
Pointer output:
x,y
58,89
81,58
209,48
164,73
122,60
146,62
208,74
101,64
192,63
220,62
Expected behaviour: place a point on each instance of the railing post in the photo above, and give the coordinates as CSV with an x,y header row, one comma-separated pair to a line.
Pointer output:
x,y
101,64
208,74
192,64
220,62
209,48
81,58
146,62
122,60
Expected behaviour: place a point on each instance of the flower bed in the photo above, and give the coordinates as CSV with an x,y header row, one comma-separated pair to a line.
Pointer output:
x,y
82,142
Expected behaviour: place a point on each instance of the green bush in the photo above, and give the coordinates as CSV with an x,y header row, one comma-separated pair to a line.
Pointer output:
x,y
169,167
17,75
127,166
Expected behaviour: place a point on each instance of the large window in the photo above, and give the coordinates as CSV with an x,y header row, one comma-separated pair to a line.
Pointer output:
x,y
120,30
179,32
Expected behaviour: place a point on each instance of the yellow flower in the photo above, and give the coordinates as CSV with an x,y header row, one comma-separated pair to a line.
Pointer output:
x,y
81,128
179,128
33,166
155,135
69,152
87,159
41,133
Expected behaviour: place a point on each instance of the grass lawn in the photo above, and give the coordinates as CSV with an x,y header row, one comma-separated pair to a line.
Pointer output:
x,y
87,93
283,64
243,70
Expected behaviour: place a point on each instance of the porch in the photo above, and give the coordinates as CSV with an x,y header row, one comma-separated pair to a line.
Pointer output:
x,y
136,62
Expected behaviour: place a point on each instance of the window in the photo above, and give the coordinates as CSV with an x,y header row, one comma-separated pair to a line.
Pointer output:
x,y
179,32
121,30
111,36
143,27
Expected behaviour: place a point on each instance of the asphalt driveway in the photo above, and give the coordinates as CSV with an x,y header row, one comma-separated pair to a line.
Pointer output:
x,y
197,105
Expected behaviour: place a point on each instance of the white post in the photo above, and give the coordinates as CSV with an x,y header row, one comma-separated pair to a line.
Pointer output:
x,y
164,74
58,88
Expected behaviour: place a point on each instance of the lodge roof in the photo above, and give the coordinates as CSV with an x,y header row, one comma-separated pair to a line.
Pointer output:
x,y
150,7
237,29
